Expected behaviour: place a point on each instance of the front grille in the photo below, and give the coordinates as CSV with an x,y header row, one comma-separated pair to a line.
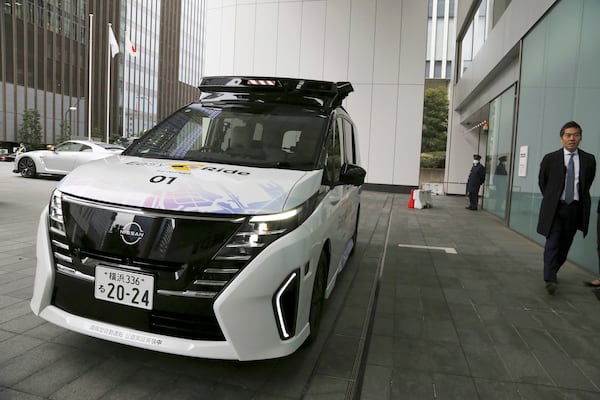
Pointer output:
x,y
178,250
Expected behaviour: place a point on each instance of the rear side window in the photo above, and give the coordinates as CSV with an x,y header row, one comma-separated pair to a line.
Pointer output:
x,y
350,142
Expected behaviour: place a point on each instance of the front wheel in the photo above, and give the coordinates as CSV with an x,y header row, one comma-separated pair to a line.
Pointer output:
x,y
318,297
27,167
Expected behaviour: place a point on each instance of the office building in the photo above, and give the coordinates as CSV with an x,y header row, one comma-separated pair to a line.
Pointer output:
x,y
441,33
44,61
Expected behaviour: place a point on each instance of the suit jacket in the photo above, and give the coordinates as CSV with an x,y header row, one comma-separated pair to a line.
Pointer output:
x,y
551,181
476,178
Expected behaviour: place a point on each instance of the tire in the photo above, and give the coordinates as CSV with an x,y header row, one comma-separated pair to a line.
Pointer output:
x,y
27,167
317,299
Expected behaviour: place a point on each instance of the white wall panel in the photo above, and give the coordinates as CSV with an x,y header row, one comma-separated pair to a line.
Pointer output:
x,y
212,50
265,45
409,126
244,39
358,105
210,4
413,42
362,36
288,39
337,37
382,138
227,40
374,44
387,41
312,39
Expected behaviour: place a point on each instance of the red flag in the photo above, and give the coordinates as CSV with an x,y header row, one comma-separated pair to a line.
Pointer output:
x,y
131,50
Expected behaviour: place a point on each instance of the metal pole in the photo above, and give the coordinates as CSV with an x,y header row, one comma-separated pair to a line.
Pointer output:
x,y
90,80
108,84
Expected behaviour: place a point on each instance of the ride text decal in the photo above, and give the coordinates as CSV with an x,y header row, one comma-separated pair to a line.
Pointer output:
x,y
187,167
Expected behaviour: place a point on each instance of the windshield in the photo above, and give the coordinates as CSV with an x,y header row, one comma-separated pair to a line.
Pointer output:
x,y
261,136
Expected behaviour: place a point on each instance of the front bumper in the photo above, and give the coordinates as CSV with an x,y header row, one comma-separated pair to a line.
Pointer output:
x,y
244,310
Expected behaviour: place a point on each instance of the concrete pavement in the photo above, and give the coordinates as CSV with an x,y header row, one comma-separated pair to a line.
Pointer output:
x,y
409,319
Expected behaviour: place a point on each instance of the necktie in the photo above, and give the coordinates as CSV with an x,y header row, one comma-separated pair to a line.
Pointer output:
x,y
569,196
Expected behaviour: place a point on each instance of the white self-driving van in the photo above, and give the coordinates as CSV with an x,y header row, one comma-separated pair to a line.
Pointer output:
x,y
219,233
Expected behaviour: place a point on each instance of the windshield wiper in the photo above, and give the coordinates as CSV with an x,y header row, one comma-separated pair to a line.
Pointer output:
x,y
160,156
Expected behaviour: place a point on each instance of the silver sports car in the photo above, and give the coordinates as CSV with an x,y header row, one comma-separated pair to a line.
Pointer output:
x,y
63,158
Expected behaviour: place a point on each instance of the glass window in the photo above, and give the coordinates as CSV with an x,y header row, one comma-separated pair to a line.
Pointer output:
x,y
258,136
499,8
498,158
474,37
437,69
334,153
9,42
350,144
440,9
559,82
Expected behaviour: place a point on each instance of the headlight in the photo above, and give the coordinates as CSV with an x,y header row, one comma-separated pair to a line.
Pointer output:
x,y
261,230
57,222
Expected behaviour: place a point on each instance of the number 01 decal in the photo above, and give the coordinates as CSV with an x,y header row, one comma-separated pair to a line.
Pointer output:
x,y
161,178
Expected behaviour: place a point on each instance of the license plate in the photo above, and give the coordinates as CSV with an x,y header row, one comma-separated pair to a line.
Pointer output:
x,y
124,287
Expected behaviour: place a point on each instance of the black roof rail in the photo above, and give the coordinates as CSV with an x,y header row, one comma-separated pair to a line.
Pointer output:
x,y
331,93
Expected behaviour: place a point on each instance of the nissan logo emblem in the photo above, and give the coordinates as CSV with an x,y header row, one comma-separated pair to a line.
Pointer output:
x,y
132,233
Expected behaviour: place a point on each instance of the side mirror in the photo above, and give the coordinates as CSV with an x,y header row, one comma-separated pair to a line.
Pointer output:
x,y
352,175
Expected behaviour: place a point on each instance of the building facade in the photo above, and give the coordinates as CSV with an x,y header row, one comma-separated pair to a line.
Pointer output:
x,y
43,64
45,58
441,33
529,67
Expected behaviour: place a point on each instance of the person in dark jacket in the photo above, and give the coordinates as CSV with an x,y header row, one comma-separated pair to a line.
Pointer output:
x,y
566,200
475,180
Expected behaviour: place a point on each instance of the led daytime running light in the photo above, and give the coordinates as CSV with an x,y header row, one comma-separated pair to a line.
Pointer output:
x,y
275,217
280,292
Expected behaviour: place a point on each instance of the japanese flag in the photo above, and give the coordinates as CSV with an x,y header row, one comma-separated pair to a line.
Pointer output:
x,y
112,40
131,50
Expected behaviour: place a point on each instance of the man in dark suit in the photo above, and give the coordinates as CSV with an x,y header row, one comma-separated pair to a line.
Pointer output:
x,y
565,178
475,180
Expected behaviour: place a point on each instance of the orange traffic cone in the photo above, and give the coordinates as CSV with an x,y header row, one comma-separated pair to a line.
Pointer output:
x,y
411,199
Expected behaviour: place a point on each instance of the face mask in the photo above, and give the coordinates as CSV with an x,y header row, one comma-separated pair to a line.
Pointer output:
x,y
475,162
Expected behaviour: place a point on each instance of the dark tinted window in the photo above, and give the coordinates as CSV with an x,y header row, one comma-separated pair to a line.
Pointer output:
x,y
264,136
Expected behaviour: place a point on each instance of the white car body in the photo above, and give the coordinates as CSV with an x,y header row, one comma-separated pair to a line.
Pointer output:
x,y
64,157
149,219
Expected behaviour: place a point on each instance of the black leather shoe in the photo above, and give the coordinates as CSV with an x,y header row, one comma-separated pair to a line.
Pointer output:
x,y
551,287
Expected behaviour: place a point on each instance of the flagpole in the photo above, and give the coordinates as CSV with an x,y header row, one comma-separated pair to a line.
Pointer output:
x,y
109,57
90,97
125,72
